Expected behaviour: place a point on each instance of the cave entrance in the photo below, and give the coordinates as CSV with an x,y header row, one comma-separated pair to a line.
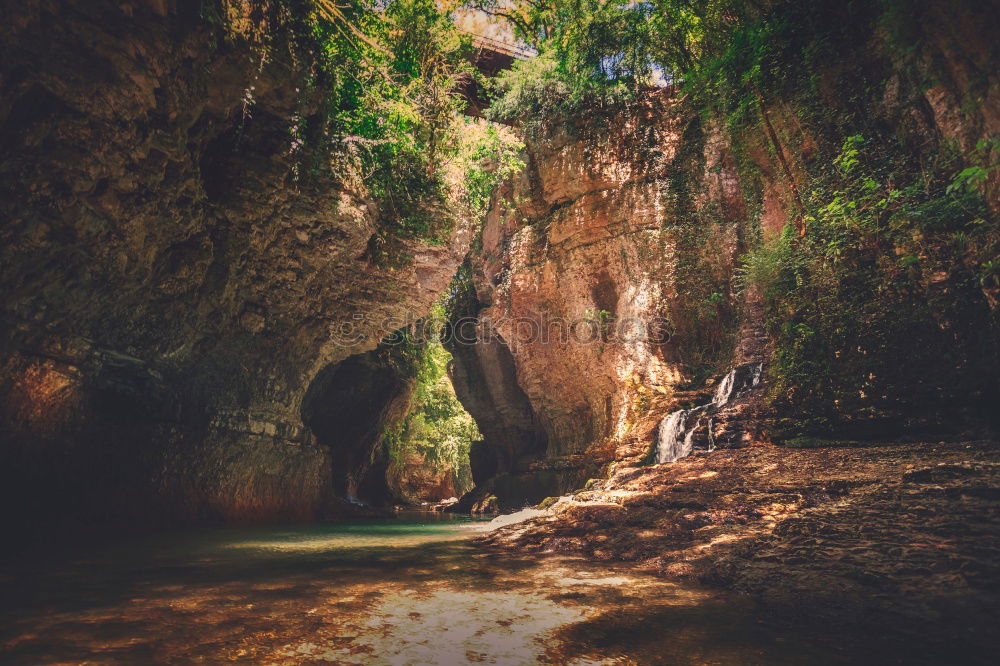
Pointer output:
x,y
347,407
395,429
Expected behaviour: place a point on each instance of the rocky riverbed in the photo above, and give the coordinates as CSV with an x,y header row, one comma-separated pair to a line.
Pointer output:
x,y
896,539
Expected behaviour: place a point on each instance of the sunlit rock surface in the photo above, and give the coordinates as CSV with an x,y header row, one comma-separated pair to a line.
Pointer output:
x,y
577,281
900,537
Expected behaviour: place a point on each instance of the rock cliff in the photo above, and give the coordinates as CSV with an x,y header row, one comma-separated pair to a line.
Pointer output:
x,y
610,286
191,294
172,283
602,289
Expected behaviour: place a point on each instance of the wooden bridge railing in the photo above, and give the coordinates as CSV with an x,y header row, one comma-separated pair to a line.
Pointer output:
x,y
492,57
497,46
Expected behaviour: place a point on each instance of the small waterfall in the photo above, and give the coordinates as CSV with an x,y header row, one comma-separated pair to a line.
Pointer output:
x,y
724,389
675,437
670,446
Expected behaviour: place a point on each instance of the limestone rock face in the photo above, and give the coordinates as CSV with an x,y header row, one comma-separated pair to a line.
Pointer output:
x,y
584,289
604,282
420,482
171,281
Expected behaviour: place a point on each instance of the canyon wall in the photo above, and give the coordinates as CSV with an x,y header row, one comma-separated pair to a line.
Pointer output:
x,y
601,291
191,294
622,240
172,282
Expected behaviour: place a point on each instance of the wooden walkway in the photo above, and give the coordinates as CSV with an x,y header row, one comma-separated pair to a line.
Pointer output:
x,y
485,43
492,56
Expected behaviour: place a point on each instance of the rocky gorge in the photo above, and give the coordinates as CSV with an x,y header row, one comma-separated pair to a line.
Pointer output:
x,y
166,280
736,326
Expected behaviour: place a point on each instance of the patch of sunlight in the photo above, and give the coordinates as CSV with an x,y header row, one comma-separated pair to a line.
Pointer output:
x,y
568,577
725,538
617,494
514,518
447,627
690,476
608,580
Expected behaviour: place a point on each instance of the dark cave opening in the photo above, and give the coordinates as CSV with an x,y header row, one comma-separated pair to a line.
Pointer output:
x,y
393,431
346,408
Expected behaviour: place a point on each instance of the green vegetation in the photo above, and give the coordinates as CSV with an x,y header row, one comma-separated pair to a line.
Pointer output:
x,y
874,291
590,53
388,119
878,305
494,157
875,299
594,52
436,433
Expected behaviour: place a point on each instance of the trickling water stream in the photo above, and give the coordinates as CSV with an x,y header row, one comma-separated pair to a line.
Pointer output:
x,y
405,591
675,437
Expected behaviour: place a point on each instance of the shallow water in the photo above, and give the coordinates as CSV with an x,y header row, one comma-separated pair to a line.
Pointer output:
x,y
411,590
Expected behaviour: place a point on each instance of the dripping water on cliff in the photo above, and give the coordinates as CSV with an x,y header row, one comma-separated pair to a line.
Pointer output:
x,y
681,431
